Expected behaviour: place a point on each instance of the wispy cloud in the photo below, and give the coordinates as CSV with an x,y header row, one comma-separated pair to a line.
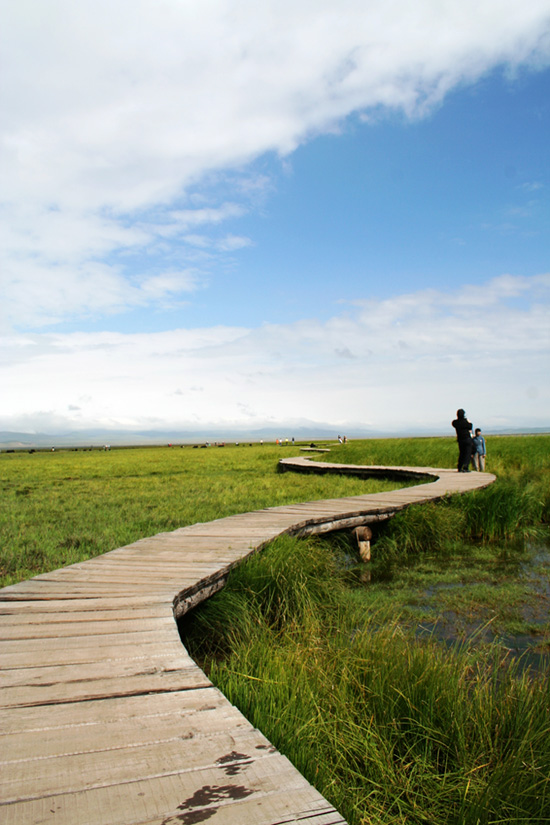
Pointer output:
x,y
113,119
534,186
427,353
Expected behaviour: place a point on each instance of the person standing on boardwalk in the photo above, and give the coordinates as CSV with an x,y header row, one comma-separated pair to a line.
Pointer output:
x,y
463,429
479,451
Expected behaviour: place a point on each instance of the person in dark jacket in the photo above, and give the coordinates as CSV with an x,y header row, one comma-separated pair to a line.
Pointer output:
x,y
463,429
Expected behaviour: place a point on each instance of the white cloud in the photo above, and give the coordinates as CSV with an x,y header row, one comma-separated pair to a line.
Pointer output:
x,y
184,218
169,283
231,243
416,359
534,186
112,112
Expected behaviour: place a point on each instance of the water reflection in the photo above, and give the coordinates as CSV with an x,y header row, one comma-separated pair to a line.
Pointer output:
x,y
531,567
520,648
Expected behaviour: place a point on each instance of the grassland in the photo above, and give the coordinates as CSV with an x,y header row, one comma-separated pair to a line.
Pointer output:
x,y
393,725
326,655
59,508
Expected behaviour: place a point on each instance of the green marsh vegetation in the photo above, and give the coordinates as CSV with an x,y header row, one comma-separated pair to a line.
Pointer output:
x,y
391,688
59,508
394,688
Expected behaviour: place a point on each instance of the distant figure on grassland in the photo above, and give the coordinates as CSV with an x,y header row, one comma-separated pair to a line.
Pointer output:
x,y
463,429
479,451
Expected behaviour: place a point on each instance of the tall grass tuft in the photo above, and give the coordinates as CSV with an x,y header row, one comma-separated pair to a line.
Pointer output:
x,y
508,509
426,528
390,729
278,590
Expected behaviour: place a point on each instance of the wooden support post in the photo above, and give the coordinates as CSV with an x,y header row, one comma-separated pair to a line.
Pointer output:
x,y
363,535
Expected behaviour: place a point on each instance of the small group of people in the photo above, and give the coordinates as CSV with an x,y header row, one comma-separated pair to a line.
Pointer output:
x,y
471,450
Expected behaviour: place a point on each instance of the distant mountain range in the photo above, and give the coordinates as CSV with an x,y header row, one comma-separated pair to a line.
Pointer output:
x,y
125,438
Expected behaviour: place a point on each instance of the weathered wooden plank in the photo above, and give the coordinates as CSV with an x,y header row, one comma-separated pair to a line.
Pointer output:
x,y
71,610
43,599
96,578
88,714
148,651
268,790
258,524
131,640
174,542
151,680
366,503
42,588
115,763
82,628
122,668
168,560
288,807
126,731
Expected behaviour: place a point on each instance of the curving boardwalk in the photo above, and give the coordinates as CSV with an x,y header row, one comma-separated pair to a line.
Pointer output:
x,y
106,720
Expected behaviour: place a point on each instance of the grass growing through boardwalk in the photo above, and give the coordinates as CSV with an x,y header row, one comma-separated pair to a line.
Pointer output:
x,y
393,726
63,507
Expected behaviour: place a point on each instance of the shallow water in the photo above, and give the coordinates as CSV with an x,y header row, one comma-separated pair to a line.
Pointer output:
x,y
531,651
522,649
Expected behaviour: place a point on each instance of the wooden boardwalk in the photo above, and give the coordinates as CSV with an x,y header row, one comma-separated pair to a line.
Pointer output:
x,y
106,720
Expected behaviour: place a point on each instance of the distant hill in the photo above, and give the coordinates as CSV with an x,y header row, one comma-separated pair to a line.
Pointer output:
x,y
124,438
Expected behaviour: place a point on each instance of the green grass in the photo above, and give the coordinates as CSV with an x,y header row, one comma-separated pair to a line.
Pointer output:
x,y
507,455
325,655
389,728
322,653
61,508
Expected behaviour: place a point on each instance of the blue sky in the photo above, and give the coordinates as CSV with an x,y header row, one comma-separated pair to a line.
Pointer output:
x,y
303,214
395,206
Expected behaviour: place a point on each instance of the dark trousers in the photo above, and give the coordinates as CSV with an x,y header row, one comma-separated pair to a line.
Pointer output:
x,y
464,455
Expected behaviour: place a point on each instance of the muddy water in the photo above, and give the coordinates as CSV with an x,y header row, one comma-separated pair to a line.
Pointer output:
x,y
531,650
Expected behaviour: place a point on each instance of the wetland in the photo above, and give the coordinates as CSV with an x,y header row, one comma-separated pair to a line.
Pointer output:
x,y
414,689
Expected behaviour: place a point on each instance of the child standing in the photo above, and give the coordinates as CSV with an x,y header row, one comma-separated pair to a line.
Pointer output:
x,y
479,451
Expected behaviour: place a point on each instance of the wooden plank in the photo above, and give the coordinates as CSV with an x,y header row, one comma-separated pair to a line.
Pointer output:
x,y
42,588
121,668
22,613
124,732
87,714
169,561
43,599
176,541
233,750
68,627
265,791
149,681
187,574
34,648
259,523
196,548
147,651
